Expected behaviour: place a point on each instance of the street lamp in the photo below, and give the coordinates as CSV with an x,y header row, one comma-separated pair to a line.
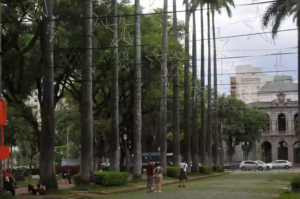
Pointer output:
x,y
126,152
245,146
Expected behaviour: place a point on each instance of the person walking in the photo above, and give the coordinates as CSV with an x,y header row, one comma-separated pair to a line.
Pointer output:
x,y
183,173
150,169
158,171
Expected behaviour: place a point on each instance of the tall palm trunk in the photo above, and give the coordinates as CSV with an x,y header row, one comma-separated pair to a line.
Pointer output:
x,y
203,120
187,134
195,141
114,135
87,162
215,132
1,171
163,95
209,116
137,168
298,24
47,154
176,118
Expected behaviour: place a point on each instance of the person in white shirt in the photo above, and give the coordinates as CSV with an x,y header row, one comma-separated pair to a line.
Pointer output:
x,y
183,173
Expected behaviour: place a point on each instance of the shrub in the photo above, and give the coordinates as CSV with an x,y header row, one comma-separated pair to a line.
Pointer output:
x,y
73,169
76,179
19,178
108,179
35,171
218,168
173,172
295,184
204,169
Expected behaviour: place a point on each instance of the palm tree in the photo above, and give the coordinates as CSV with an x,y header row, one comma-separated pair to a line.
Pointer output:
x,y
187,133
218,141
176,118
275,14
86,109
203,120
163,96
47,154
114,135
137,109
209,112
195,141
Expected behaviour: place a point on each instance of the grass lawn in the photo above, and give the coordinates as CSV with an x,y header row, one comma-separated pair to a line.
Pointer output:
x,y
33,182
261,185
290,196
58,193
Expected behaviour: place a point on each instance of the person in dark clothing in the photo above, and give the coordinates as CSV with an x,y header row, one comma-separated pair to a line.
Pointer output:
x,y
69,176
39,191
8,186
150,169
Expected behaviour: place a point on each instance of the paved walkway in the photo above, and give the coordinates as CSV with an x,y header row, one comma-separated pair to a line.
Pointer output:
x,y
24,190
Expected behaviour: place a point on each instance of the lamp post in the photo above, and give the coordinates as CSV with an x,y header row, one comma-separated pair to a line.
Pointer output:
x,y
245,146
126,152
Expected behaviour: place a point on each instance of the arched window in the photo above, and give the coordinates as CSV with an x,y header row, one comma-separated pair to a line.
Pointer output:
x,y
295,121
281,122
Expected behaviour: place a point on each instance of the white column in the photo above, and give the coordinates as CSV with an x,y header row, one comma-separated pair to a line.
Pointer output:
x,y
290,153
274,151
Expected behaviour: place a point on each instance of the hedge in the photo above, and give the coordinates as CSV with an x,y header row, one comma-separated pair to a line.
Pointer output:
x,y
204,169
218,168
110,178
73,169
295,184
173,172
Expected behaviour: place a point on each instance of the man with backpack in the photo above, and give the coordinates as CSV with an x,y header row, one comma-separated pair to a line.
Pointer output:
x,y
158,171
183,173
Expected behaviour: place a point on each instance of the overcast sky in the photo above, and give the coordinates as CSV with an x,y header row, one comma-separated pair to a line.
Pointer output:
x,y
242,18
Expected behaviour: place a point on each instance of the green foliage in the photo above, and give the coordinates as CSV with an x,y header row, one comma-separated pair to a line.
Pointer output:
x,y
76,179
6,196
173,172
295,184
109,179
204,169
218,168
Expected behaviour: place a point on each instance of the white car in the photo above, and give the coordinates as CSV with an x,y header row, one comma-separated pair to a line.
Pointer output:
x,y
251,165
268,165
281,164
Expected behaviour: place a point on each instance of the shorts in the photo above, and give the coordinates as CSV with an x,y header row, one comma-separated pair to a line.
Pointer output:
x,y
183,175
149,179
158,179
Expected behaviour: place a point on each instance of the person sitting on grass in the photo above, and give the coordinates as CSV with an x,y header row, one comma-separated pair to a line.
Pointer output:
x,y
9,187
11,178
41,190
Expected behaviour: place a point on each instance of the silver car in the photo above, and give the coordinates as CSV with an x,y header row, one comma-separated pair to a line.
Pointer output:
x,y
251,165
281,164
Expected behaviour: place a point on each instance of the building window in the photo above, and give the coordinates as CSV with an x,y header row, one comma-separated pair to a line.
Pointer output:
x,y
296,122
281,122
253,73
233,83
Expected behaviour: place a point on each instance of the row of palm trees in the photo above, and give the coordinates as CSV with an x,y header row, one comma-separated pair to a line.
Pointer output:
x,y
207,133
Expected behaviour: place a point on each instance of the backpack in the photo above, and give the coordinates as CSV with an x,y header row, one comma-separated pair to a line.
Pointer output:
x,y
158,170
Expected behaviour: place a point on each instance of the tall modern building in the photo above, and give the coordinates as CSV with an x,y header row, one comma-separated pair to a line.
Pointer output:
x,y
233,86
248,82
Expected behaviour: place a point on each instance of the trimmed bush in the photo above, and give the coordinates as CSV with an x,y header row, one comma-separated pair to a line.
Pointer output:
x,y
204,169
73,169
76,179
295,184
218,168
109,179
173,172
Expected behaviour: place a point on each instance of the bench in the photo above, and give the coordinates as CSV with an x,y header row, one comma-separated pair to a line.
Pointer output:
x,y
35,177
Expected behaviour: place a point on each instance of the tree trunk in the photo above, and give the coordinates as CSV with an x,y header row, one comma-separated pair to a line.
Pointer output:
x,y
203,120
209,116
137,110
195,156
216,122
176,117
163,94
221,145
86,110
298,24
47,144
114,135
187,134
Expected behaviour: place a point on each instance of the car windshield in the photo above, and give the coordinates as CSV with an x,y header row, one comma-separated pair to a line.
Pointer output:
x,y
274,162
260,162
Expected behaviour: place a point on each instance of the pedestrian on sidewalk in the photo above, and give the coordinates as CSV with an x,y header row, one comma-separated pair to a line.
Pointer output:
x,y
183,173
158,171
150,169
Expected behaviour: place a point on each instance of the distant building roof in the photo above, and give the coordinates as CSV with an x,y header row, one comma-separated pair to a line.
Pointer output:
x,y
280,78
277,87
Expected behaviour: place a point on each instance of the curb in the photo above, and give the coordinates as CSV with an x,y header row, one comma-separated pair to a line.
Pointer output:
x,y
45,197
143,188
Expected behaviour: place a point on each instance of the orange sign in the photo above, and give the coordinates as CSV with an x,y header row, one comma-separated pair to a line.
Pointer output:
x,y
4,151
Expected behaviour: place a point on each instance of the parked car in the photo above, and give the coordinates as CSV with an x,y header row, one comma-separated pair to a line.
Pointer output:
x,y
251,165
232,165
268,165
105,164
281,164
